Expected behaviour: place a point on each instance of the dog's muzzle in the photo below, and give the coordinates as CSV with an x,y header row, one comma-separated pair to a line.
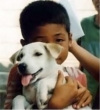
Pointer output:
x,y
27,78
36,73
22,68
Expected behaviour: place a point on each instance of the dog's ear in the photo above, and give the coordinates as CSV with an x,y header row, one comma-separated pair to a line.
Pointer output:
x,y
13,58
54,49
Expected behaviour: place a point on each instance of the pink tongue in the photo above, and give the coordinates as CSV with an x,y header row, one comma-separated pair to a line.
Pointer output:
x,y
26,80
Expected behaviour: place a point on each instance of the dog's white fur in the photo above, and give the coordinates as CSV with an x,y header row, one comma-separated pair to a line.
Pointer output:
x,y
38,91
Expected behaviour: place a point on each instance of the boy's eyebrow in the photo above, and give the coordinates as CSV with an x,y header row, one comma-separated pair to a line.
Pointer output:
x,y
59,34
36,37
55,35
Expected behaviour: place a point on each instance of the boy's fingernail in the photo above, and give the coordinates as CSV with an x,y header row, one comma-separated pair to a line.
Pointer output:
x,y
74,106
82,105
78,107
59,71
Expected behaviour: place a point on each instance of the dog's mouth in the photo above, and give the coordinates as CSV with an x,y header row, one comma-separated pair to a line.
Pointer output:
x,y
36,73
29,77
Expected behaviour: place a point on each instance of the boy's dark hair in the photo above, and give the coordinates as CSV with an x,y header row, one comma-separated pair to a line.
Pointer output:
x,y
40,13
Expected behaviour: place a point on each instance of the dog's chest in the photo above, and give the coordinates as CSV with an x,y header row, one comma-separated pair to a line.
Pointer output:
x,y
30,93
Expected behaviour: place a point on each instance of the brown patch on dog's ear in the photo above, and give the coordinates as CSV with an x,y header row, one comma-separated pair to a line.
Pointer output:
x,y
54,49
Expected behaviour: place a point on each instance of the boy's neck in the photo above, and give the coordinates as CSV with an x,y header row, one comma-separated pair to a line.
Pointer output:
x,y
97,19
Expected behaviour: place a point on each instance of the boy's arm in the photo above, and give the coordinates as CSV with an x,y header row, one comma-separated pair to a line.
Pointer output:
x,y
79,94
14,87
61,97
88,61
84,96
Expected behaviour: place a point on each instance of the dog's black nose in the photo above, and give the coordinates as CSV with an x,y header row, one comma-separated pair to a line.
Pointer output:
x,y
22,67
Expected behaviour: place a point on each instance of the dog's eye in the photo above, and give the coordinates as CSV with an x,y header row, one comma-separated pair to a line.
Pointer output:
x,y
19,57
38,54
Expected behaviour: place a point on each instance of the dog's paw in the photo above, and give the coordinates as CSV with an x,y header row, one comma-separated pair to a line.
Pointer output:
x,y
42,102
19,109
30,107
18,102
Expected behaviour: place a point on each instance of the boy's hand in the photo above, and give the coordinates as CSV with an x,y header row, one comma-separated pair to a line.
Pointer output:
x,y
83,98
72,44
64,94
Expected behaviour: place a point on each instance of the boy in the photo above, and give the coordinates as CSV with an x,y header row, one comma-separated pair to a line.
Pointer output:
x,y
47,21
90,41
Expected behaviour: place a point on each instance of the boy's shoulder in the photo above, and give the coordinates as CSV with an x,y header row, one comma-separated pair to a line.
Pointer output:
x,y
14,75
87,20
13,69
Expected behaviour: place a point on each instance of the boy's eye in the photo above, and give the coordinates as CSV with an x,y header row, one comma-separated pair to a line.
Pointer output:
x,y
59,40
40,40
38,54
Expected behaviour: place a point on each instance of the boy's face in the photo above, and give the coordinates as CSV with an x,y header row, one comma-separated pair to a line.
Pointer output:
x,y
96,4
53,33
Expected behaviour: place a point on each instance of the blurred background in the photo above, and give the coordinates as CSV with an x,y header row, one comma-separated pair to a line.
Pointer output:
x,y
10,32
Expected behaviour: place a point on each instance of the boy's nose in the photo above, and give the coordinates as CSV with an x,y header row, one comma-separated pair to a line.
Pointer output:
x,y
22,68
50,41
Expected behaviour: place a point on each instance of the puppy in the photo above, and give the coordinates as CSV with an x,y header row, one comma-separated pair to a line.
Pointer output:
x,y
39,70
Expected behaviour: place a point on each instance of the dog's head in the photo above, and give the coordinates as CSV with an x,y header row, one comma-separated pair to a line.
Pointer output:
x,y
35,60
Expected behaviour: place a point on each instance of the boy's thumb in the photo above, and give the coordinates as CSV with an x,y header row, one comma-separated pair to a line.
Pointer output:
x,y
79,84
59,78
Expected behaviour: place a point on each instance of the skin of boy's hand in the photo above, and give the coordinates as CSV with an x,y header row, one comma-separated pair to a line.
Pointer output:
x,y
84,97
64,94
72,44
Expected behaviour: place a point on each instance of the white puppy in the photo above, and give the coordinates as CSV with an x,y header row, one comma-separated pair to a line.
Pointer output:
x,y
39,70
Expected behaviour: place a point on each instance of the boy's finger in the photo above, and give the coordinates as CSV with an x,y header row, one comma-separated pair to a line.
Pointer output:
x,y
78,97
81,91
60,78
87,101
84,99
74,105
69,79
79,84
75,82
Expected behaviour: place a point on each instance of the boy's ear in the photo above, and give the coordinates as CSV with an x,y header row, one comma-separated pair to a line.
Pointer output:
x,y
54,49
13,58
23,42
